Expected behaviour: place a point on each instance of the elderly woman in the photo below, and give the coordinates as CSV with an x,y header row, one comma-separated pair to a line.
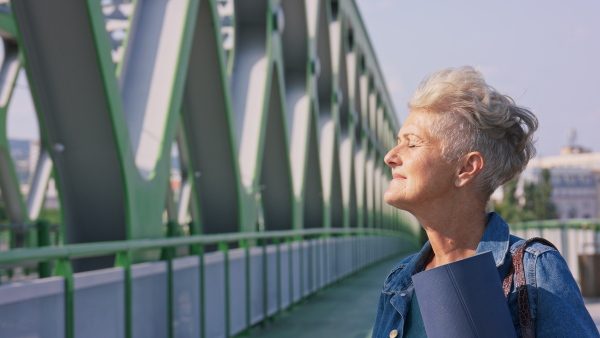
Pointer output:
x,y
461,141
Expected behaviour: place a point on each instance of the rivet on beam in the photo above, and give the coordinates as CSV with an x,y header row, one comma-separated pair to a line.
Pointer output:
x,y
59,147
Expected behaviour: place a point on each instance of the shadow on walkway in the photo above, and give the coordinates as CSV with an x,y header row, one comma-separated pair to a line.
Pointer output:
x,y
345,309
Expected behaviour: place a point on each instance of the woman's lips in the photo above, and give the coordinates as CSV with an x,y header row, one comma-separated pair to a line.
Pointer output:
x,y
398,176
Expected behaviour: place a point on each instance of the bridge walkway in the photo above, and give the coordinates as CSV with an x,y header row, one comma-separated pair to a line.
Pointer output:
x,y
345,309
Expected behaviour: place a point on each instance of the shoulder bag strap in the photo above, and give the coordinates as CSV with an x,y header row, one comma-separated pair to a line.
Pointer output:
x,y
516,273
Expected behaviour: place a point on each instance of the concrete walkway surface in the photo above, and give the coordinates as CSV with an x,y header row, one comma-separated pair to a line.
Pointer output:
x,y
345,309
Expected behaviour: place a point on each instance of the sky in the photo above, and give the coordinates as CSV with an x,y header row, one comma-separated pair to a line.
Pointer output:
x,y
21,122
544,54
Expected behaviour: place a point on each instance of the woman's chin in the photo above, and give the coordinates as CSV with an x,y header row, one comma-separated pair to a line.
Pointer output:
x,y
395,200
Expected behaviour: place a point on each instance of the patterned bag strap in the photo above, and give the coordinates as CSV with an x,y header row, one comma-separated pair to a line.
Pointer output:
x,y
515,272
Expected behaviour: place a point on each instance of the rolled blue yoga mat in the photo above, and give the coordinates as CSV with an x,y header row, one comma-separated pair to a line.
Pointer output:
x,y
464,299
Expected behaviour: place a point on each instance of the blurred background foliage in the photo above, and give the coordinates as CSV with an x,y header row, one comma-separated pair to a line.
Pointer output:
x,y
532,202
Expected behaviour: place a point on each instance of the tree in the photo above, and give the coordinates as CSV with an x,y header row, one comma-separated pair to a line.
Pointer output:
x,y
536,203
509,208
543,206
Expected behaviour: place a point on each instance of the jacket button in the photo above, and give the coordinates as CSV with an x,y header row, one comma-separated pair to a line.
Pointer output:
x,y
402,295
394,334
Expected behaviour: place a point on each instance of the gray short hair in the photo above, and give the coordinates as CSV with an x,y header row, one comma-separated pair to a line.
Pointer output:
x,y
475,117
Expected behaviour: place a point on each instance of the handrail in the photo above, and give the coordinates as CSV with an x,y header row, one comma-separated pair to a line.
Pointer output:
x,y
24,226
577,223
83,250
572,237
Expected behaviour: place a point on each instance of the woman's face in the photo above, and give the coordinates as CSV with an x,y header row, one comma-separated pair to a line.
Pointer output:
x,y
420,174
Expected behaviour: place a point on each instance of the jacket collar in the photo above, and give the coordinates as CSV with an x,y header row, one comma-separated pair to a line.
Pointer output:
x,y
495,238
400,279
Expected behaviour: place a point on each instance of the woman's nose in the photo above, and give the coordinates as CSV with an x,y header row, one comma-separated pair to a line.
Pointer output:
x,y
392,158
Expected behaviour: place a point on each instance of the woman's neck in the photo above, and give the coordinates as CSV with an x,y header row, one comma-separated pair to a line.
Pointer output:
x,y
453,235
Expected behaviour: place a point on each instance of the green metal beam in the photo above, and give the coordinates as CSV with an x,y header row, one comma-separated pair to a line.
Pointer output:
x,y
285,130
106,248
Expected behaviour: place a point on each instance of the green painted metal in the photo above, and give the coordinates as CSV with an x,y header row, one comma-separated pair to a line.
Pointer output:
x,y
63,268
265,273
584,223
246,247
44,268
12,197
277,242
168,254
198,250
280,138
122,249
123,260
339,117
224,248
107,248
7,24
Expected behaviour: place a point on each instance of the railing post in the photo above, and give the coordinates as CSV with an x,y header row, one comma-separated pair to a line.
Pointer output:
x,y
123,250
123,260
12,240
224,247
300,240
168,254
265,275
327,267
30,233
596,237
309,267
276,241
245,245
43,237
198,250
63,269
564,241
317,260
288,240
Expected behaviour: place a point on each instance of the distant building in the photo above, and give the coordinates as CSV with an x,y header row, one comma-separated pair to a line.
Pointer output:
x,y
583,160
575,177
574,192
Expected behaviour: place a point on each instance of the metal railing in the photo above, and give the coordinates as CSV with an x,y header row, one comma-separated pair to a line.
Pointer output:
x,y
85,250
572,237
57,261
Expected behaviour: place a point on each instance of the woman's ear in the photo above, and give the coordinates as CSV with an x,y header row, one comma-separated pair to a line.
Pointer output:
x,y
469,166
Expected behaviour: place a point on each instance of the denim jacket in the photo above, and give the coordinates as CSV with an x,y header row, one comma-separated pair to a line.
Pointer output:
x,y
556,303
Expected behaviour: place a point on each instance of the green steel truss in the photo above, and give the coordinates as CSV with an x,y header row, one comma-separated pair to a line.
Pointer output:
x,y
286,130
